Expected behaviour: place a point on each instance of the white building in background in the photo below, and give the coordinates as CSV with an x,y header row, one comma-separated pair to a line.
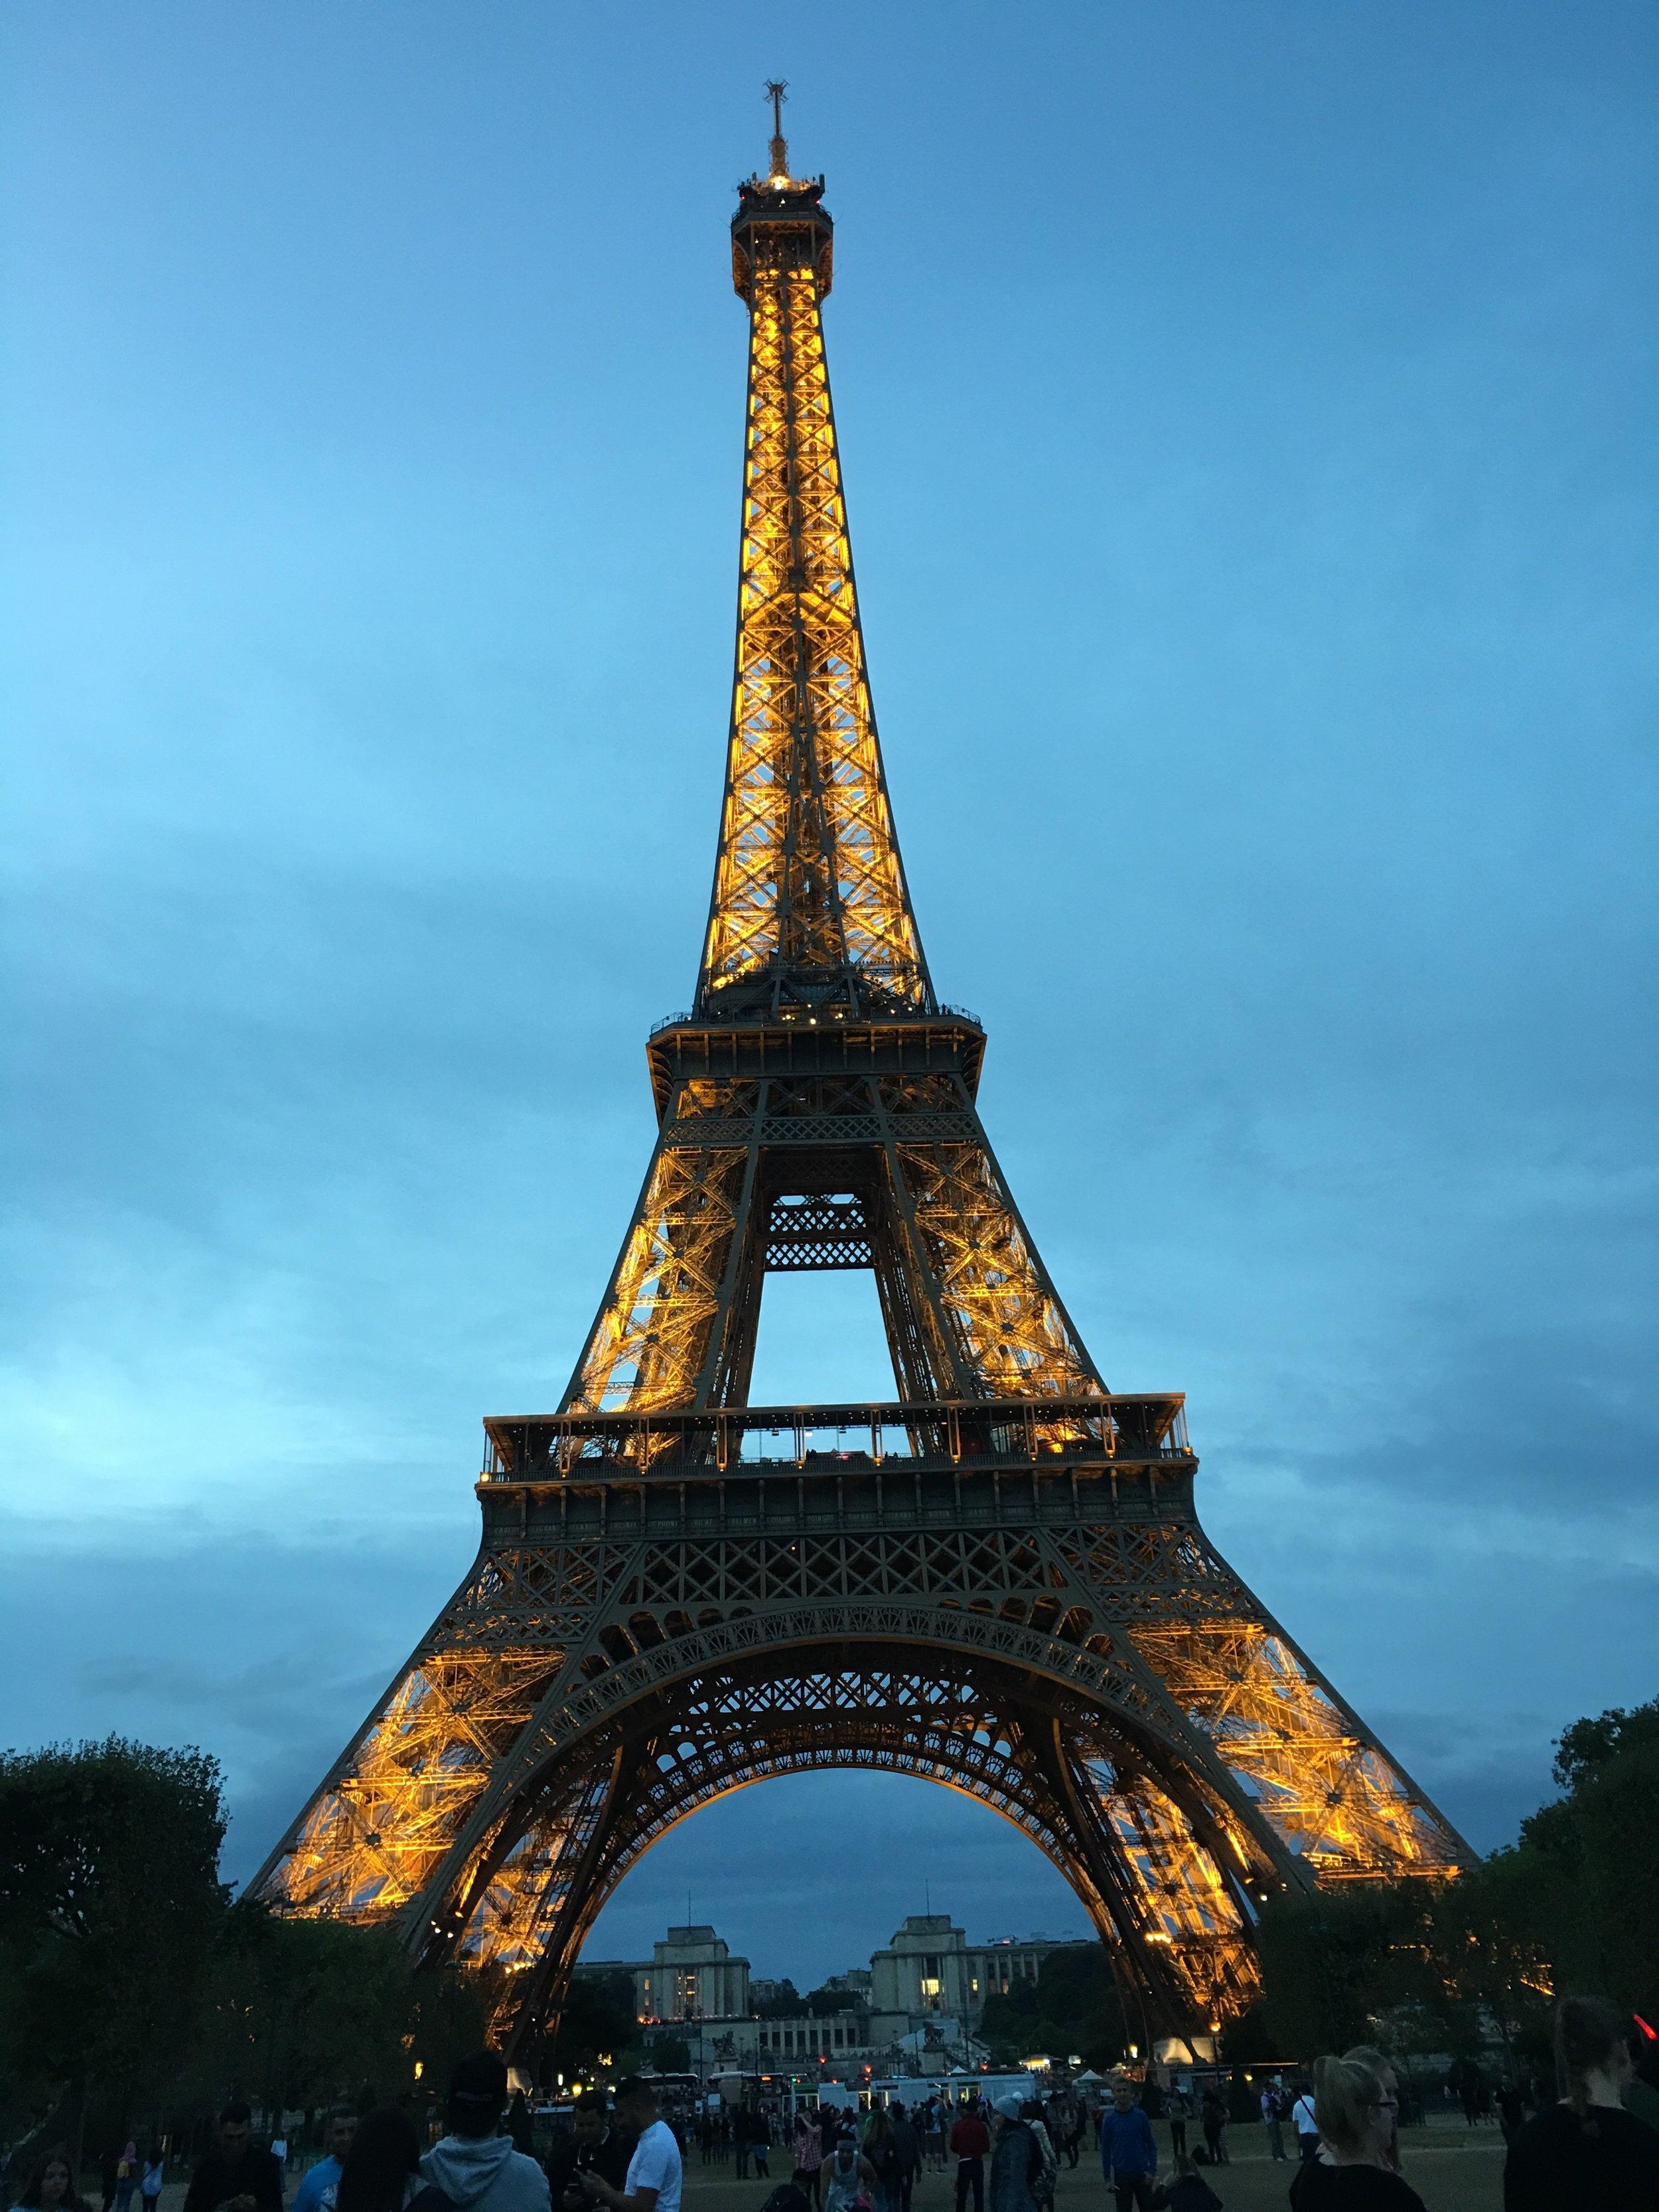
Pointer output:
x,y
690,1975
930,1969
919,2004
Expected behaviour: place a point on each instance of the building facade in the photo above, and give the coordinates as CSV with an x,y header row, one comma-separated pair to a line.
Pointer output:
x,y
690,1975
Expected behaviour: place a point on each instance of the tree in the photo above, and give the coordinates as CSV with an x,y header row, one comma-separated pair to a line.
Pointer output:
x,y
1335,1963
824,2000
787,2004
669,2054
304,2011
110,1904
598,2022
1072,2006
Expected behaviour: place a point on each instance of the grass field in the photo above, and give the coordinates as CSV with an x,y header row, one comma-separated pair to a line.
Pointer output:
x,y
1451,2169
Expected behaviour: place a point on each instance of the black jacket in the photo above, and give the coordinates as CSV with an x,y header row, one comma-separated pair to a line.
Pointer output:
x,y
257,2174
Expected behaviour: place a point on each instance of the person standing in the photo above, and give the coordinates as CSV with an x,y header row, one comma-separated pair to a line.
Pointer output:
x,y
593,2146
474,2164
1212,2117
1128,2149
1062,2115
760,2141
653,2179
1272,2114
49,2187
809,2153
907,2142
1015,2161
1306,2125
237,2172
381,2169
970,2144
341,2127
742,2121
1352,2172
1587,2149
1177,2111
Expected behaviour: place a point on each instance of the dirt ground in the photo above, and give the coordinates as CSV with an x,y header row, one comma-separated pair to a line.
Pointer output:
x,y
1451,2169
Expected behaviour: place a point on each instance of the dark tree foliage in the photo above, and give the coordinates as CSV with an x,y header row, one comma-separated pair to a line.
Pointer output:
x,y
787,2004
822,2002
1072,2006
301,2012
1440,1966
598,2021
668,2054
110,1907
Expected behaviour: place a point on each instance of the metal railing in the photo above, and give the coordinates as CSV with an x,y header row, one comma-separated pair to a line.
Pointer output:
x,y
873,1434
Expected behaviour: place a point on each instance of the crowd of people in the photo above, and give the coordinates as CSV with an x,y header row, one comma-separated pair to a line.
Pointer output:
x,y
1583,2148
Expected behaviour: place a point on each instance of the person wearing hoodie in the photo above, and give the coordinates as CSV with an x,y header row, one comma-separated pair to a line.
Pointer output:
x,y
474,2165
654,2171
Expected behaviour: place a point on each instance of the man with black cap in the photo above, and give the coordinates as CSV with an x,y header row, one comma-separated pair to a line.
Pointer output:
x,y
475,2166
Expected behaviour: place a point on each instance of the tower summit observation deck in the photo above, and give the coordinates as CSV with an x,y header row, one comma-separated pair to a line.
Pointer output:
x,y
996,1580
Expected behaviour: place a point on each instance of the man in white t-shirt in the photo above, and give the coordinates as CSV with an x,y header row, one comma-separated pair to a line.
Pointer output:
x,y
1307,2128
654,2171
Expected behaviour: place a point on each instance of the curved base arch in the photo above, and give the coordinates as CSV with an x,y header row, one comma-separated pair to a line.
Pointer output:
x,y
1142,1842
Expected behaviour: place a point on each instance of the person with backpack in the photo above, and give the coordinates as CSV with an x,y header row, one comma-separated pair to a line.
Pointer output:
x,y
1128,2148
882,2150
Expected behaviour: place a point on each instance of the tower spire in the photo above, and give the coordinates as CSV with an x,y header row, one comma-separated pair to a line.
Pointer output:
x,y
809,907
777,91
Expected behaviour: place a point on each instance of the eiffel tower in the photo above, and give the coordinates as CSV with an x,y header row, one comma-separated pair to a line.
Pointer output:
x,y
997,1580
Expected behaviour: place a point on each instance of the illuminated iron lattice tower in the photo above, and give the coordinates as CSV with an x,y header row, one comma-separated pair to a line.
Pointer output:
x,y
998,1581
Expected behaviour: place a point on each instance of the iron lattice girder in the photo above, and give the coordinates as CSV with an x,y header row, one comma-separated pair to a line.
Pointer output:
x,y
808,882
996,1580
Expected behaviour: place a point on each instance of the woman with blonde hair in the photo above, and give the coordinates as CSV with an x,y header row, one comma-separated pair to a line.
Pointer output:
x,y
1367,2054
1356,2112
1588,2149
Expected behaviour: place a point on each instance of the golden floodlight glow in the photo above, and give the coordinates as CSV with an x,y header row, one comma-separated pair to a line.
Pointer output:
x,y
996,1581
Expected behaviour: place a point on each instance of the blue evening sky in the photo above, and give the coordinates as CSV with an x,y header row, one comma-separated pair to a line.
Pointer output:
x,y
1247,415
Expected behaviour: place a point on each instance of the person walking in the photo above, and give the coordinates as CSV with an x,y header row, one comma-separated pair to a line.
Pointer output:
x,y
237,2172
1587,2149
152,2179
1352,2172
847,2177
473,2163
1128,2149
342,2126
935,2132
1177,2111
1272,2114
970,2145
1015,2162
1306,2127
1042,2181
126,2177
49,2187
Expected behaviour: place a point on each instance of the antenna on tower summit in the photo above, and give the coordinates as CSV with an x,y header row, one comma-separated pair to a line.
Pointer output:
x,y
777,91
